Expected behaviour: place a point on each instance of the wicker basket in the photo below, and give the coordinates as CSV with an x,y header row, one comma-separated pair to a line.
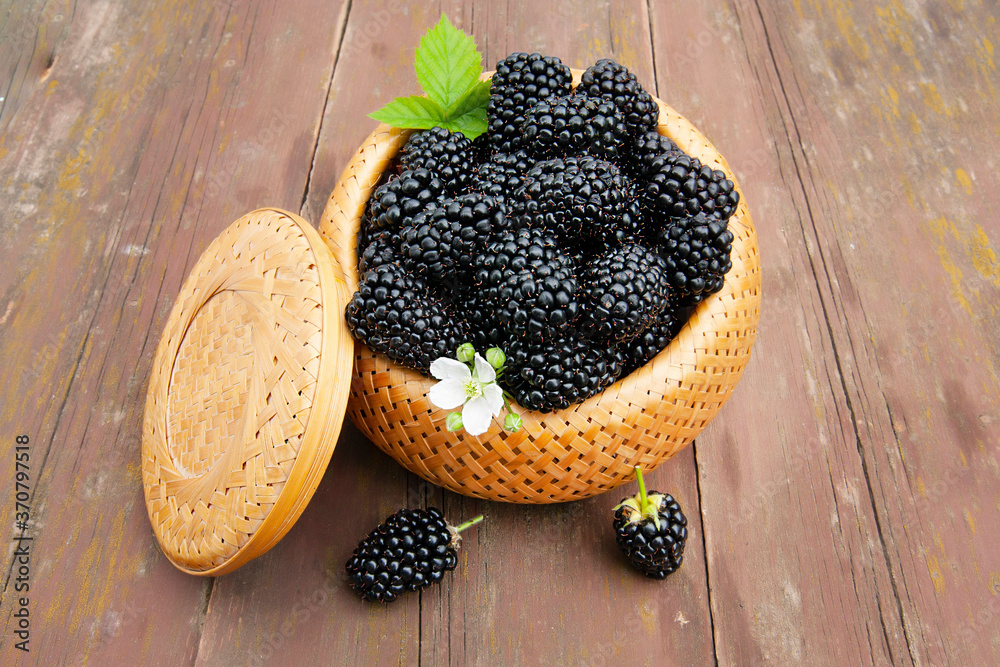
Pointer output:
x,y
591,447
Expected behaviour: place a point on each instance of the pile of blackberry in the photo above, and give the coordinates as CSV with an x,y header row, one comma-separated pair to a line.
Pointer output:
x,y
571,235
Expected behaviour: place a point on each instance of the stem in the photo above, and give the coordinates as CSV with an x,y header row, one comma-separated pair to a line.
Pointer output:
x,y
644,503
468,524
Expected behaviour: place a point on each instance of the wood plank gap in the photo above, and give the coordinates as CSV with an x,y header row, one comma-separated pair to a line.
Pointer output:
x,y
326,101
833,344
203,616
704,545
656,87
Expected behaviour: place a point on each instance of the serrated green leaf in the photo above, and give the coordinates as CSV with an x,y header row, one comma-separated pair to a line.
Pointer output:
x,y
476,96
413,112
471,124
447,63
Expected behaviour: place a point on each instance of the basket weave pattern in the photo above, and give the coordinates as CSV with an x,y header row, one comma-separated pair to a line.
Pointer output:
x,y
643,419
233,389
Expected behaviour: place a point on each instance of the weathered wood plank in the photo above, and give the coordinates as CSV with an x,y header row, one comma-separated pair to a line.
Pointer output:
x,y
903,237
159,124
797,571
880,283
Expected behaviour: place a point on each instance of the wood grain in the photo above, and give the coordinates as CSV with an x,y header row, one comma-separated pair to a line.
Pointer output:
x,y
158,125
843,506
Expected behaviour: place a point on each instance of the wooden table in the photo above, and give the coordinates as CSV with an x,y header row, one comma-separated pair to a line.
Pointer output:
x,y
844,506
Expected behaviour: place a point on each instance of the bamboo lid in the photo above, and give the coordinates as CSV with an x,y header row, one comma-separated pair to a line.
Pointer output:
x,y
247,394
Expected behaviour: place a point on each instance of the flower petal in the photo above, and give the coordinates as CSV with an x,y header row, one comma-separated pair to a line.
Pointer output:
x,y
494,397
445,368
484,372
476,416
448,394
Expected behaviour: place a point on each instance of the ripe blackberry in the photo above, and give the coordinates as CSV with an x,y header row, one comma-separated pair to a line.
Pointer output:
x,y
553,375
395,313
680,185
647,148
378,247
539,292
651,531
410,550
448,155
502,175
623,292
519,82
441,243
574,124
651,342
581,200
696,250
613,81
401,198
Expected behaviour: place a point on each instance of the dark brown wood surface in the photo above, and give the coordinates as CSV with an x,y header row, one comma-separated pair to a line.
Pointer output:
x,y
844,506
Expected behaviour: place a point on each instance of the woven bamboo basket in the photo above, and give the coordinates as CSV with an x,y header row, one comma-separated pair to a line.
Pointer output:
x,y
591,447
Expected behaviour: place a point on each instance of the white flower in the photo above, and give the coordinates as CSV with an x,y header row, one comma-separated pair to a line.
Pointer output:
x,y
476,388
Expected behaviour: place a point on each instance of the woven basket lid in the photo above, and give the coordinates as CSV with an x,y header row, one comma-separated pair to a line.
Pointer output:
x,y
247,394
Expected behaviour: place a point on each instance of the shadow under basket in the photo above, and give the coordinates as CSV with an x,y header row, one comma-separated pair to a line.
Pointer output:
x,y
642,419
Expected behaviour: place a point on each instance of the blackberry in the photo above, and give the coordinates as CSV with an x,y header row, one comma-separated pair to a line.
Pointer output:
x,y
539,294
651,342
651,531
401,198
647,148
410,550
396,314
582,200
610,80
563,126
440,243
448,155
696,250
505,254
553,375
519,82
378,247
623,292
680,185
503,175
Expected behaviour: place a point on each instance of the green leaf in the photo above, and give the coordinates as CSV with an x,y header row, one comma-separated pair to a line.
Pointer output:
x,y
447,63
478,96
413,112
471,124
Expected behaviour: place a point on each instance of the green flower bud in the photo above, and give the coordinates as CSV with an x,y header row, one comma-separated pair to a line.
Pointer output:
x,y
512,422
496,357
454,421
465,354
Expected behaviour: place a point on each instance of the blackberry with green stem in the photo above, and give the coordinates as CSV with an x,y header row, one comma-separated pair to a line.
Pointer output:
x,y
410,550
651,530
